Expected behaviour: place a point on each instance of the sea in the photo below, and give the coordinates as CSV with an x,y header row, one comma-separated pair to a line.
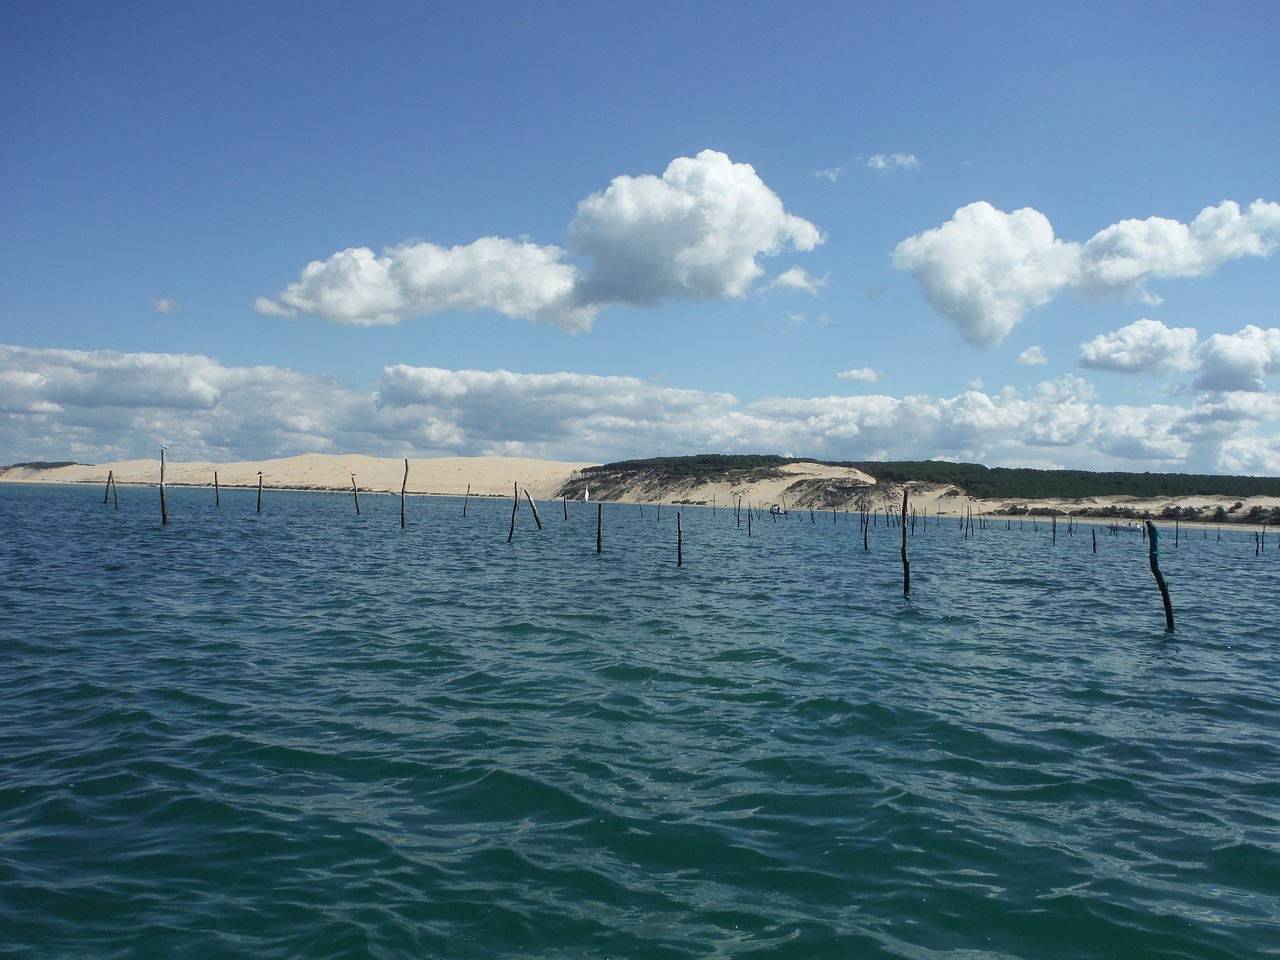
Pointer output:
x,y
299,732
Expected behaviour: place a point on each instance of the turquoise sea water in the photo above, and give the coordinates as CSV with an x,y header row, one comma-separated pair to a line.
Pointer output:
x,y
307,734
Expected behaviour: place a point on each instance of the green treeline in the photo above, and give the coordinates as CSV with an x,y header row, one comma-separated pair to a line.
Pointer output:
x,y
1004,483
976,480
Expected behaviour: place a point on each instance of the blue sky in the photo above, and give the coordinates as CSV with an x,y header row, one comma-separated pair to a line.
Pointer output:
x,y
1005,233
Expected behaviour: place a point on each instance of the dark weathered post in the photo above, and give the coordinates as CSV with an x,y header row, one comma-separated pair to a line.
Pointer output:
x,y
1153,539
1095,539
164,503
217,490
403,486
465,499
115,492
679,542
599,528
534,507
906,564
106,494
565,498
259,491
514,507
356,491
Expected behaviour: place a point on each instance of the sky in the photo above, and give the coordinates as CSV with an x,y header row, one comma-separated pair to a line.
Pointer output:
x,y
1015,234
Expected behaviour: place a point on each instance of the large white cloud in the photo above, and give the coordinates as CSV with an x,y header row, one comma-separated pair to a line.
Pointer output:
x,y
697,232
985,269
1239,361
97,406
1224,363
1144,346
517,279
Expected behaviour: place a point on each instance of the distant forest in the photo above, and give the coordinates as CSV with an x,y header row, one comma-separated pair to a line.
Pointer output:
x,y
976,480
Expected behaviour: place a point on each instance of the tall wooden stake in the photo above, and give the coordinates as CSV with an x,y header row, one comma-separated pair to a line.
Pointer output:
x,y
355,490
403,486
514,507
259,491
1153,538
217,490
465,499
164,503
906,564
534,507
679,542
106,494
599,528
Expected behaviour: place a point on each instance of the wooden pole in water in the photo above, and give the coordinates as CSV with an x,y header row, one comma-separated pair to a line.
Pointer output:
x,y
465,499
599,528
1153,538
355,490
1095,539
164,503
259,491
565,498
403,486
679,542
514,507
906,564
106,494
534,507
115,492
217,490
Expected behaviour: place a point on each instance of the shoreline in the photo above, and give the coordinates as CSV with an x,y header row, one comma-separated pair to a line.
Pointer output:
x,y
498,477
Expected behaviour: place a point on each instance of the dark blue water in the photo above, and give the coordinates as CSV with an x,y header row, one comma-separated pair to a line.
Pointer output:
x,y
310,734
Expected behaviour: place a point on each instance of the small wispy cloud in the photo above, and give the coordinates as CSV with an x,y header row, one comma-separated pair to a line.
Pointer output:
x,y
797,278
1033,357
861,375
164,305
894,161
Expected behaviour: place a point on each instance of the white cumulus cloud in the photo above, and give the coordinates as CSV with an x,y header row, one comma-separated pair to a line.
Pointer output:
x,y
985,269
514,278
1144,346
796,278
1033,356
697,232
1239,361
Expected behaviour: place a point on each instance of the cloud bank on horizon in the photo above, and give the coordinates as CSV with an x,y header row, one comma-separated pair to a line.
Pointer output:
x,y
97,406
695,233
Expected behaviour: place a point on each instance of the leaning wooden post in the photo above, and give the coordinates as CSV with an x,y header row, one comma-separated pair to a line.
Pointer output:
x,y
115,491
355,490
679,542
259,491
1153,538
403,485
106,494
217,490
1095,539
164,503
599,528
565,497
906,564
514,507
534,507
465,499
